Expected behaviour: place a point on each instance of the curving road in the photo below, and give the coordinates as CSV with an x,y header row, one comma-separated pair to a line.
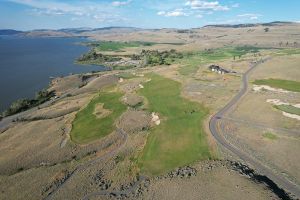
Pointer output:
x,y
280,180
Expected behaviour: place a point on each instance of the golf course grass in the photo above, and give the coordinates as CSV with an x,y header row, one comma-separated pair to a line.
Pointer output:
x,y
180,138
191,61
288,109
87,127
293,86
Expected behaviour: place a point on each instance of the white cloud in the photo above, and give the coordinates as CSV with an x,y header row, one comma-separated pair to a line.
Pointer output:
x,y
121,3
250,16
76,11
174,13
199,16
161,13
206,5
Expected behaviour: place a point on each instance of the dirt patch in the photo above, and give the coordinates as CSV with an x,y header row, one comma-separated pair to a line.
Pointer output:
x,y
101,112
132,100
131,85
134,121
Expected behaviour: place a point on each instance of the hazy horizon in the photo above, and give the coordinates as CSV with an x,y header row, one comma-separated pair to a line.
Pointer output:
x,y
52,14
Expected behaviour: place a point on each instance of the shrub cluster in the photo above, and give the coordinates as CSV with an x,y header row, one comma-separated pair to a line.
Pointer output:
x,y
154,57
25,104
93,56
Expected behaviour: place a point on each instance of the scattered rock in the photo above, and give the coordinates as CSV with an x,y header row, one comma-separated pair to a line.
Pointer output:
x,y
100,181
182,172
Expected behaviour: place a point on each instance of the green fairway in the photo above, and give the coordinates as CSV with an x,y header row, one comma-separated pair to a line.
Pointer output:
x,y
179,139
278,83
289,109
191,62
87,127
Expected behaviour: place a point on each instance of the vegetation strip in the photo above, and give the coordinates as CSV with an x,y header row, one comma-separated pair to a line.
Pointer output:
x,y
25,104
288,109
270,136
88,127
289,85
179,139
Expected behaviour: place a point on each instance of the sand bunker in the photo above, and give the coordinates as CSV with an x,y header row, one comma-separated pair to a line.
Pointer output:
x,y
155,118
258,88
101,112
277,102
297,105
141,86
294,116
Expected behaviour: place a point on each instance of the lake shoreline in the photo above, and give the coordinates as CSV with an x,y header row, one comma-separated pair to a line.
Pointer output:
x,y
27,64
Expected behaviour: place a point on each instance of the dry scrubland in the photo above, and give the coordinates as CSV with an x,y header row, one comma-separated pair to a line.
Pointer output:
x,y
101,134
281,151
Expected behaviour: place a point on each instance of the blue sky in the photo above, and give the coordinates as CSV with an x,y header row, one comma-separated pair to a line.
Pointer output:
x,y
55,14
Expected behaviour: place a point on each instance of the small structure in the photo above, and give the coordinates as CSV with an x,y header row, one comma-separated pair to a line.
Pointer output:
x,y
219,70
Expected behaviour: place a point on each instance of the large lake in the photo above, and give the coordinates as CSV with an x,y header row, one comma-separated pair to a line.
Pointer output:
x,y
26,64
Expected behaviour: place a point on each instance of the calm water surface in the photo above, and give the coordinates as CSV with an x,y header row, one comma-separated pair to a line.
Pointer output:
x,y
26,64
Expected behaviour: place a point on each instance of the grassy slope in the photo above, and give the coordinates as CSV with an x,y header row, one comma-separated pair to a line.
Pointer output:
x,y
278,83
289,109
191,62
180,138
86,127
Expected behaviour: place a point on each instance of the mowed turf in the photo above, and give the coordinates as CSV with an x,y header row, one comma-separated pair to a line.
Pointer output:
x,y
279,83
288,109
87,127
179,139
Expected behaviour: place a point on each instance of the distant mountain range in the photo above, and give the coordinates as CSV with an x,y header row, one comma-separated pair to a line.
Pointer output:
x,y
85,31
276,23
9,32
